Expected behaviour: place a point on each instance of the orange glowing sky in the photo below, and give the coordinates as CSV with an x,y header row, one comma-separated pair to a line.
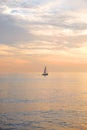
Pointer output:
x,y
43,32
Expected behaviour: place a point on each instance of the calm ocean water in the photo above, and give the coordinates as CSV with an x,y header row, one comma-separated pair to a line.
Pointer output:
x,y
34,102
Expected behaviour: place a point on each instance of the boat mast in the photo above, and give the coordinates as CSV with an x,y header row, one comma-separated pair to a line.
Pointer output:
x,y
45,70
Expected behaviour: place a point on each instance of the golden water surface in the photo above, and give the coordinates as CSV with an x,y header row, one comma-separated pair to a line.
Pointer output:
x,y
35,102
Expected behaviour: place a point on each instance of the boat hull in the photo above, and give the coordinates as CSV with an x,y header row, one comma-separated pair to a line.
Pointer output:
x,y
45,74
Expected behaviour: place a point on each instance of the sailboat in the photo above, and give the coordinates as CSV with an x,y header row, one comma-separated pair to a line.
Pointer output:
x,y
45,72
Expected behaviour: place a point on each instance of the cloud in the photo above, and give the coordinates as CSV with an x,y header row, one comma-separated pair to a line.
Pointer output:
x,y
37,22
11,32
37,31
78,4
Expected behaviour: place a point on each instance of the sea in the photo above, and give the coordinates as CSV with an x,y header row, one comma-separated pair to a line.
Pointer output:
x,y
35,102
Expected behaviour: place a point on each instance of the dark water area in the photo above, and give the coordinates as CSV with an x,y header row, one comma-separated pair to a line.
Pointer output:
x,y
35,102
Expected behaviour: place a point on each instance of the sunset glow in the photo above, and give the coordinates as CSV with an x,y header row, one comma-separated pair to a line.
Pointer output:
x,y
38,32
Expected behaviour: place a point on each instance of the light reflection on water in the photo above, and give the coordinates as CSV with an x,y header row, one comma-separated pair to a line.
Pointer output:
x,y
34,102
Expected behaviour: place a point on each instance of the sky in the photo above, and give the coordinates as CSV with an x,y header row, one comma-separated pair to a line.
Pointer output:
x,y
35,33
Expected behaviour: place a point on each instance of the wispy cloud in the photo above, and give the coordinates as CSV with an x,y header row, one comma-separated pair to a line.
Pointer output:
x,y
43,27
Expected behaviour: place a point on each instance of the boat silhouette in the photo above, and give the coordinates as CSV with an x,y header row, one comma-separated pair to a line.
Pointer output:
x,y
45,72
